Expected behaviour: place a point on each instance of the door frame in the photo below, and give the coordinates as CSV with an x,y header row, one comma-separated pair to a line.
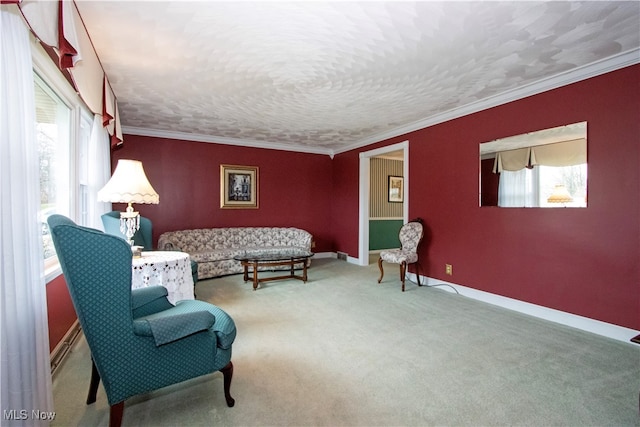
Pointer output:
x,y
363,229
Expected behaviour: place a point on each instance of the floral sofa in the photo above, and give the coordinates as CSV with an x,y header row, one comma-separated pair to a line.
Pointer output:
x,y
214,248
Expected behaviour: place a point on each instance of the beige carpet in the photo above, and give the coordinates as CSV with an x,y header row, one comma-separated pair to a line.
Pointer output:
x,y
342,350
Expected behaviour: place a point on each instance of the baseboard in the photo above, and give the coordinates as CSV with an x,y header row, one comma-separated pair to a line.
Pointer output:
x,y
325,255
60,351
598,327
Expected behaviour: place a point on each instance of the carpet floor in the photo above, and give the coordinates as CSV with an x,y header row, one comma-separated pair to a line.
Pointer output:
x,y
343,350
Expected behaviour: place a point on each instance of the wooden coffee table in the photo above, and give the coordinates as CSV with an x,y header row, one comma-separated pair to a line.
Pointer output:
x,y
285,257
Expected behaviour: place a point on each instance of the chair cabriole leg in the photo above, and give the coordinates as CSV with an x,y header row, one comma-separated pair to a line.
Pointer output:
x,y
227,374
381,270
403,269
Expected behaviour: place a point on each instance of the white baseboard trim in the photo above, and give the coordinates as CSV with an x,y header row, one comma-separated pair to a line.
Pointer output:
x,y
598,327
325,255
352,260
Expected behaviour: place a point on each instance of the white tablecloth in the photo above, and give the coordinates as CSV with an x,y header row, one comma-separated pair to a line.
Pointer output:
x,y
164,268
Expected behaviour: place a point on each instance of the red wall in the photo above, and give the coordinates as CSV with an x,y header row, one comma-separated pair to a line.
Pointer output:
x,y
345,202
581,261
489,182
60,312
294,188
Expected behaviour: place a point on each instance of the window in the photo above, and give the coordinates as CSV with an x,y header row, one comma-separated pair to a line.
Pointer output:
x,y
574,180
53,126
84,165
63,127
534,187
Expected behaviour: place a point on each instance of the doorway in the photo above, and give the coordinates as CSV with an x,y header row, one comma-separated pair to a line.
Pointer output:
x,y
365,159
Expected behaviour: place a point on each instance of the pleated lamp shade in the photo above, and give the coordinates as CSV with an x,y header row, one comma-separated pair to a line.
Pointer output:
x,y
129,184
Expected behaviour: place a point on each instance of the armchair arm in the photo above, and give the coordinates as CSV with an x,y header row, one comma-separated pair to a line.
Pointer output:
x,y
149,300
224,326
166,327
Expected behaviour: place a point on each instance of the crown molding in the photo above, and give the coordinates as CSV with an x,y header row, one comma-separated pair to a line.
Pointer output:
x,y
185,136
613,63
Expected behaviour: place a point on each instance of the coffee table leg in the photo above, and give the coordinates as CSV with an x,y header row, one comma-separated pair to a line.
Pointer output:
x,y
245,264
304,271
255,275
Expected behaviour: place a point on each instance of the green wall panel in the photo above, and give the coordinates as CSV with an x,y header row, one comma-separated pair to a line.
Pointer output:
x,y
383,234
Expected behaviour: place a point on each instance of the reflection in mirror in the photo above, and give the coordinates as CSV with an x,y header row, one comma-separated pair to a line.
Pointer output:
x,y
544,169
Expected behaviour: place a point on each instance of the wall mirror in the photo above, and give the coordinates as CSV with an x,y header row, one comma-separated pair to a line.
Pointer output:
x,y
542,169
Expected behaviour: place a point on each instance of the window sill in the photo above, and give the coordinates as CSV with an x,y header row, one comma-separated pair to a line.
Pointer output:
x,y
51,272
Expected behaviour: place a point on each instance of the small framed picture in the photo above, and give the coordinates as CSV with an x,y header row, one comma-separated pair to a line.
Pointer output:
x,y
396,189
238,187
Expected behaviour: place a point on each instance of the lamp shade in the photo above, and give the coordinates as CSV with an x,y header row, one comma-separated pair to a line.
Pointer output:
x,y
129,184
560,195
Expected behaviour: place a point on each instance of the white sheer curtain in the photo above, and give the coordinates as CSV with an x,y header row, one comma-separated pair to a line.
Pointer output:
x,y
99,172
518,189
25,369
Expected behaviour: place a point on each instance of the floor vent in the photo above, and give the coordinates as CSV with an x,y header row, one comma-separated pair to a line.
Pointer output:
x,y
342,256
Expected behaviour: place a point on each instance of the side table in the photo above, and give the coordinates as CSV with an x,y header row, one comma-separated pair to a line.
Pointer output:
x,y
170,269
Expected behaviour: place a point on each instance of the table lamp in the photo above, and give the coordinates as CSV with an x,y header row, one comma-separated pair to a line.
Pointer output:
x,y
560,194
129,184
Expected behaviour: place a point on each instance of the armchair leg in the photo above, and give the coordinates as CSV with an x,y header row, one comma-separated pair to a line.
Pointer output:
x,y
93,385
115,414
403,269
227,373
381,270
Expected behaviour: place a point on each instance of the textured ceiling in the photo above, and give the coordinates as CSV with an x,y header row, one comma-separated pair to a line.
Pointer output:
x,y
328,76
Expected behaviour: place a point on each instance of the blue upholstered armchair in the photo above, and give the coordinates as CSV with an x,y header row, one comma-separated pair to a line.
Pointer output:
x,y
139,341
143,237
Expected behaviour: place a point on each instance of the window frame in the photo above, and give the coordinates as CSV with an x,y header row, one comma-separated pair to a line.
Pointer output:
x,y
46,69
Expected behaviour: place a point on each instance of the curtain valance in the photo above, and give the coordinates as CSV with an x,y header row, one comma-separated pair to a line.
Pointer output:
x,y
67,35
566,153
512,160
59,26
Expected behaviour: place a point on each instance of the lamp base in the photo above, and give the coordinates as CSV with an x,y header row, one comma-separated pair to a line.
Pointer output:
x,y
129,223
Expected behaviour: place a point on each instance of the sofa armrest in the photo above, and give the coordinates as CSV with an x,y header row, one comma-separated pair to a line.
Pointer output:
x,y
165,243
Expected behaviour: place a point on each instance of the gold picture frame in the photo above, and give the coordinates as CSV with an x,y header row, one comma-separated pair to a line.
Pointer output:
x,y
238,187
396,189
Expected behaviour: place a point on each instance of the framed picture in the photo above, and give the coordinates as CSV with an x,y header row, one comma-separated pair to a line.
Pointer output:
x,y
238,187
396,189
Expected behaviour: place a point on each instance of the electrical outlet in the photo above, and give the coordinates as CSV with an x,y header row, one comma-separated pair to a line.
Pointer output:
x,y
449,269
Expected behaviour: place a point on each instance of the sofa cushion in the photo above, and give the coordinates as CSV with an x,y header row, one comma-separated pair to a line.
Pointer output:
x,y
215,254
